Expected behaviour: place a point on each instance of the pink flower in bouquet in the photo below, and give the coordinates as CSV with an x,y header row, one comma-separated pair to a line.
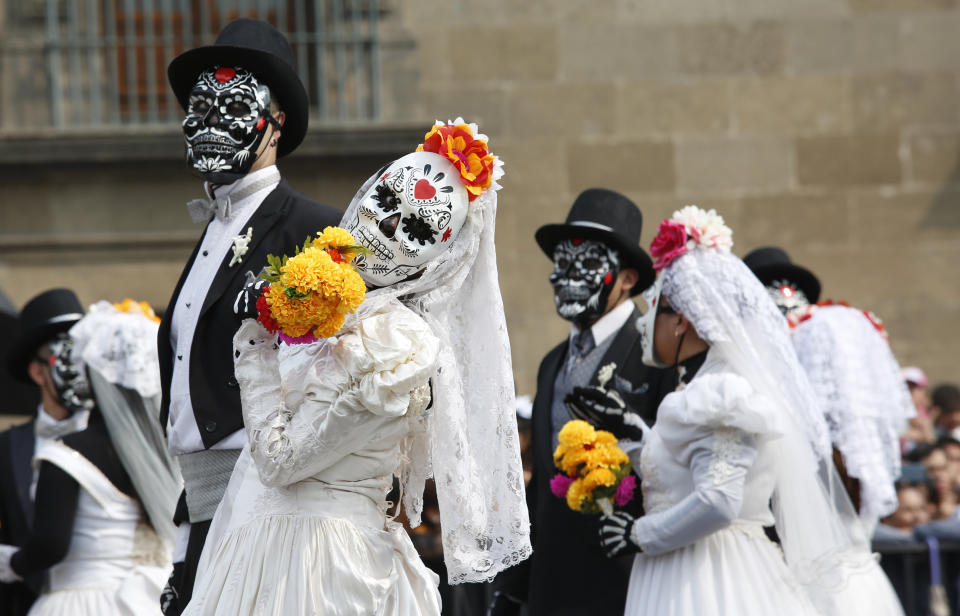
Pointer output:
x,y
670,243
625,490
560,484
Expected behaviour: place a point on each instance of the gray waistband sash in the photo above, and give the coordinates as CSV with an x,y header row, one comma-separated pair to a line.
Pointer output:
x,y
205,477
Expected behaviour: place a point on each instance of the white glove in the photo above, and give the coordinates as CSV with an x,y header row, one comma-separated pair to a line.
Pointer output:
x,y
7,574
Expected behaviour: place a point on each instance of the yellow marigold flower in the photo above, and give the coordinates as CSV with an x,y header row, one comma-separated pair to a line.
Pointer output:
x,y
333,237
577,432
558,453
312,270
599,477
573,459
576,495
353,290
605,438
609,456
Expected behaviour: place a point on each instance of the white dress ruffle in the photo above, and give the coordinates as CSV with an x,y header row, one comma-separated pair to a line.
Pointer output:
x,y
303,526
116,563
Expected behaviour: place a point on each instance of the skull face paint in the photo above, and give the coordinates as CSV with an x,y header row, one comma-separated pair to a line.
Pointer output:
x,y
227,117
584,272
787,296
408,217
69,376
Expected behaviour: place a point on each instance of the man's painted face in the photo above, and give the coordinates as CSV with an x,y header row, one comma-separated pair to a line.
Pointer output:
x,y
787,296
408,217
584,272
69,377
226,120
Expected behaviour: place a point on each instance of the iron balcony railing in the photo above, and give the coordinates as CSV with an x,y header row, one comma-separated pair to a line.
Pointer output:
x,y
94,64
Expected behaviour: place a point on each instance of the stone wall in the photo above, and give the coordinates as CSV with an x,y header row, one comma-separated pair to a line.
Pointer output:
x,y
828,127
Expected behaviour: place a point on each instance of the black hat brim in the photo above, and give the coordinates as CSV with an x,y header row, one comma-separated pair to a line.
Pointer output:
x,y
268,68
802,277
23,350
548,236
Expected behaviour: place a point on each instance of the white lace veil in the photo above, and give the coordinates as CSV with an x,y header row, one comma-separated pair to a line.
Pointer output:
x,y
857,383
468,439
822,539
119,350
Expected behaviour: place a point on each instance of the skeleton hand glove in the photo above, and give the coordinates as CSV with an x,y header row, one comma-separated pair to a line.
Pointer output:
x,y
7,574
606,410
616,534
245,305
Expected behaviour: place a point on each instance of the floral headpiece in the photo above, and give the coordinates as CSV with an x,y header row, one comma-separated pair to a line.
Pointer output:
x,y
134,307
796,317
464,146
689,228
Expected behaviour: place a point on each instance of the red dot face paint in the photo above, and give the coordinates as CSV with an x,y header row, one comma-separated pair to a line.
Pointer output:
x,y
608,278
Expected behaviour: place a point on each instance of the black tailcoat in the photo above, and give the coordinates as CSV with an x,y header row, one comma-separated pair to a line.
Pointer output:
x,y
281,224
568,573
16,509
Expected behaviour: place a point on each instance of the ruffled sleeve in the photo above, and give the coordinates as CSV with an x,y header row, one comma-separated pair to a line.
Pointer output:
x,y
710,402
373,373
714,428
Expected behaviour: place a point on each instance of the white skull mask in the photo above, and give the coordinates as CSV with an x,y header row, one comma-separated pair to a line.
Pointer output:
x,y
408,217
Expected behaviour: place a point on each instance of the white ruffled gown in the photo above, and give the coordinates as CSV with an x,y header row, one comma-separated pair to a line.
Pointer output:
x,y
303,527
116,564
707,476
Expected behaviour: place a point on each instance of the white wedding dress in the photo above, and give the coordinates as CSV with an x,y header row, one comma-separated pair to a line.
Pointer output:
x,y
707,472
116,563
303,527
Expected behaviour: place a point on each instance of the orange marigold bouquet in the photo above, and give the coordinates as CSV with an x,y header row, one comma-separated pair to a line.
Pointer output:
x,y
311,293
594,472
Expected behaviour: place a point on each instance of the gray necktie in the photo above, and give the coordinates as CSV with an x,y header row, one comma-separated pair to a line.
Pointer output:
x,y
581,346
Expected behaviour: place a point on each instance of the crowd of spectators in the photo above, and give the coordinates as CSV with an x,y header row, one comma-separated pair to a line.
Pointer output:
x,y
928,490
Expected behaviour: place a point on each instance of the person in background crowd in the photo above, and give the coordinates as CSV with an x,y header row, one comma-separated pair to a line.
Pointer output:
x,y
945,408
942,477
598,266
42,320
921,428
245,108
912,511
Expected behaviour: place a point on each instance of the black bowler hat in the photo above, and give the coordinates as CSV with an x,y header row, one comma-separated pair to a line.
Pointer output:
x,y
772,264
44,316
609,217
261,49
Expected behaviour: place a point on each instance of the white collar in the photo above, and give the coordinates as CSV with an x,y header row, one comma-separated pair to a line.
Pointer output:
x,y
608,324
48,427
226,189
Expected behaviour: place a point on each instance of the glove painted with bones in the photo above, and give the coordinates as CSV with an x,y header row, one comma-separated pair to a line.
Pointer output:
x,y
7,574
245,305
616,534
605,410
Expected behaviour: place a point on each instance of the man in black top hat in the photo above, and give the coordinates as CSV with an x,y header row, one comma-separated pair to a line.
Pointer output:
x,y
598,267
43,318
790,285
245,107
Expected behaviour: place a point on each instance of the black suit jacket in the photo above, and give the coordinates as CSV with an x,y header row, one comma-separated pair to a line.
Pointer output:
x,y
16,510
280,225
568,573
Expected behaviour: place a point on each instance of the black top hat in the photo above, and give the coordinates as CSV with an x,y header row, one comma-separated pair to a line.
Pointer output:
x,y
44,316
609,217
261,49
772,264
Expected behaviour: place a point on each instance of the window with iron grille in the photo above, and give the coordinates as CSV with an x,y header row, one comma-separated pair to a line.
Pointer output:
x,y
77,65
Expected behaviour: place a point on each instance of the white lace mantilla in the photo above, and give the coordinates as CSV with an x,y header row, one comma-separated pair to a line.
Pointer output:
x,y
857,383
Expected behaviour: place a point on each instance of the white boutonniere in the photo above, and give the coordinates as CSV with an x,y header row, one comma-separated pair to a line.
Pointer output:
x,y
240,246
605,373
